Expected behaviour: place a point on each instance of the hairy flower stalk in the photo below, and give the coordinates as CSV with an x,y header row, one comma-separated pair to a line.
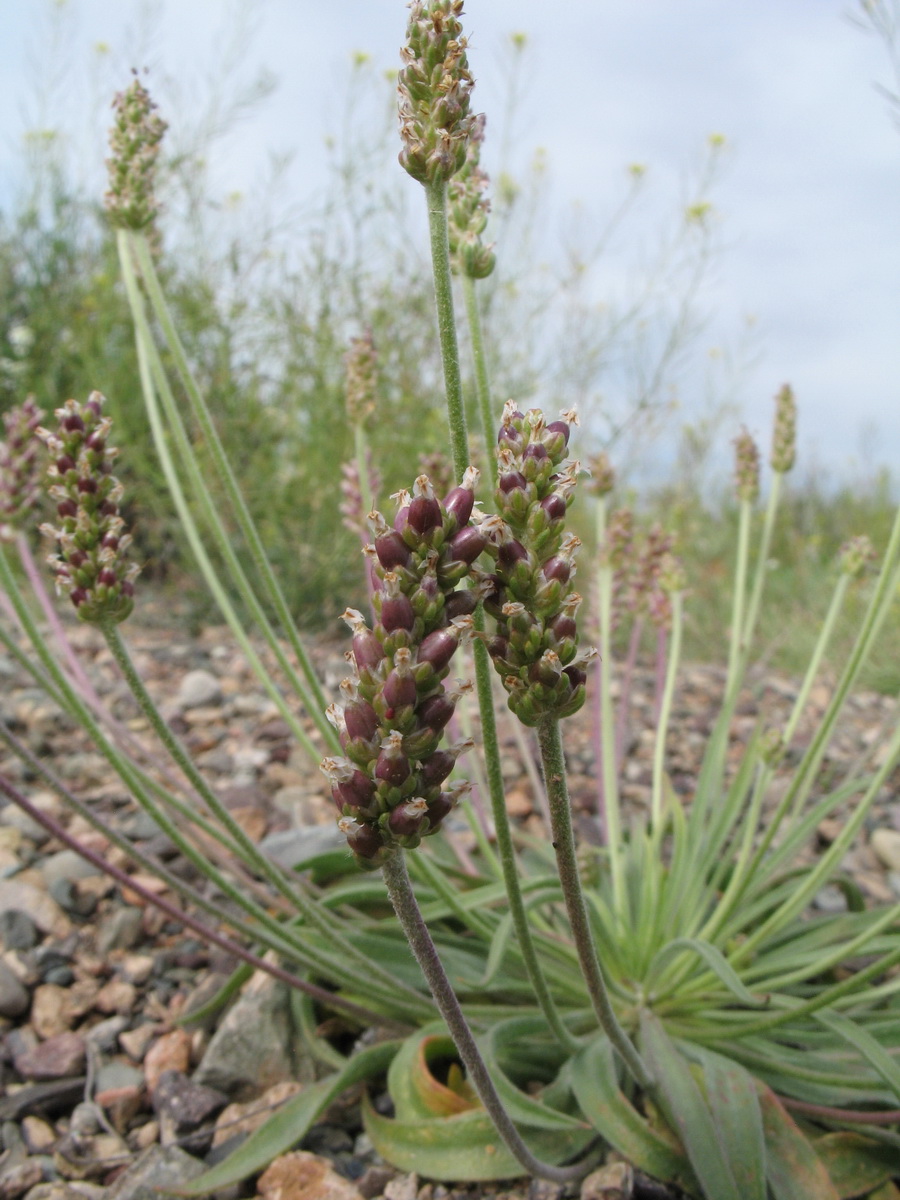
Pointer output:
x,y
529,592
20,465
91,565
390,788
134,140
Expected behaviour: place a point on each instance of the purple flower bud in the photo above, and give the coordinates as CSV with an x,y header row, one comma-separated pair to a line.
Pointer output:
x,y
439,808
511,481
424,510
110,542
563,626
399,689
439,647
436,711
397,613
561,428
108,509
93,404
554,506
64,464
576,675
87,484
392,551
361,720
72,423
511,552
536,450
459,504
466,545
95,442
367,649
107,577
557,568
357,791
406,819
498,647
434,770
460,603
78,596
392,767
67,508
365,840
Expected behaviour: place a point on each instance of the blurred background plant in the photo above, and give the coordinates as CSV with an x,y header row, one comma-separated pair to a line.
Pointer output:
x,y
267,295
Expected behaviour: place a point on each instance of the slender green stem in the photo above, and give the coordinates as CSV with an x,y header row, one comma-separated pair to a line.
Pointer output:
x,y
662,728
837,602
482,383
736,639
436,196
554,765
505,847
611,808
403,898
312,695
762,564
360,445
152,374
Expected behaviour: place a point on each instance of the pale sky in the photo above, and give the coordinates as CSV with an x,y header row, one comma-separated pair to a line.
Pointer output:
x,y
807,206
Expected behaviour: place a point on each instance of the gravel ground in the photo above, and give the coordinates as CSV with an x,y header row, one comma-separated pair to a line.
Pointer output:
x,y
101,1091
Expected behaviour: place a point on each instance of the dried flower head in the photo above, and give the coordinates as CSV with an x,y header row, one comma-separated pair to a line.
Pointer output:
x,y
134,140
468,212
530,592
603,475
856,555
361,379
433,91
91,565
390,789
784,433
746,467
20,464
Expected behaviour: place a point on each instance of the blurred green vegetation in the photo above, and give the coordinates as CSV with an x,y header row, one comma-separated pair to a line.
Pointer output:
x,y
266,304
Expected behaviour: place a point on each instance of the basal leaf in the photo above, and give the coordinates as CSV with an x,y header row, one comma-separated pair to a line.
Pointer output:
x,y
732,1099
857,1165
688,1113
603,1103
290,1123
793,1169
464,1147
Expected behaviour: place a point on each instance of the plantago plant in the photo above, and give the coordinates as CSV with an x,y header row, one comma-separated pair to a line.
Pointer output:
x,y
671,995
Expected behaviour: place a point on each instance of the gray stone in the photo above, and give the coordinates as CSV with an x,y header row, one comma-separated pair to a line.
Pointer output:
x,y
120,930
17,930
56,1058
14,999
199,688
253,1047
295,845
830,899
36,904
886,845
117,1075
182,1104
159,1169
66,865
104,1036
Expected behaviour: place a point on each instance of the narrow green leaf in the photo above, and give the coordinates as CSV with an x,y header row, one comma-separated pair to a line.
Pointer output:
x,y
499,945
603,1103
872,1052
716,962
687,1112
857,1165
793,1170
464,1147
290,1123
